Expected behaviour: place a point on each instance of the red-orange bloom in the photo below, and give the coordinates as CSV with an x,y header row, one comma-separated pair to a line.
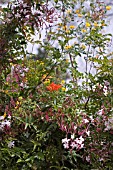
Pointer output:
x,y
53,87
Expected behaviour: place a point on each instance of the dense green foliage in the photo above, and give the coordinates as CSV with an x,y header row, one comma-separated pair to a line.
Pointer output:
x,y
53,114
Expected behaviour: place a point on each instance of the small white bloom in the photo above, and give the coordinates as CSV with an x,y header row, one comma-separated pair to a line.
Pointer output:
x,y
81,139
11,144
1,117
108,127
79,143
75,127
100,86
17,15
73,145
81,146
105,90
86,121
88,133
9,117
25,86
66,145
76,140
93,88
106,93
23,74
26,69
65,142
12,70
6,122
91,117
22,84
1,127
101,159
105,87
100,112
73,136
111,120
25,5
88,158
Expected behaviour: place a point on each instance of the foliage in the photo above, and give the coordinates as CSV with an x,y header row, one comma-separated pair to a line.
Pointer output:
x,y
53,115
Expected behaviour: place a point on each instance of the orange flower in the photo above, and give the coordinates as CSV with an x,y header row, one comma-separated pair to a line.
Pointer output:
x,y
53,87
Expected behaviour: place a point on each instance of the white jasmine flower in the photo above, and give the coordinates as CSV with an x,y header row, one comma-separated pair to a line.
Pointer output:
x,y
25,11
111,120
11,144
26,69
65,142
25,5
106,93
73,145
100,85
22,84
75,127
100,112
1,127
93,88
1,117
109,124
86,121
79,143
17,15
9,117
23,74
72,136
105,90
6,122
66,145
81,146
91,117
81,139
88,158
88,133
